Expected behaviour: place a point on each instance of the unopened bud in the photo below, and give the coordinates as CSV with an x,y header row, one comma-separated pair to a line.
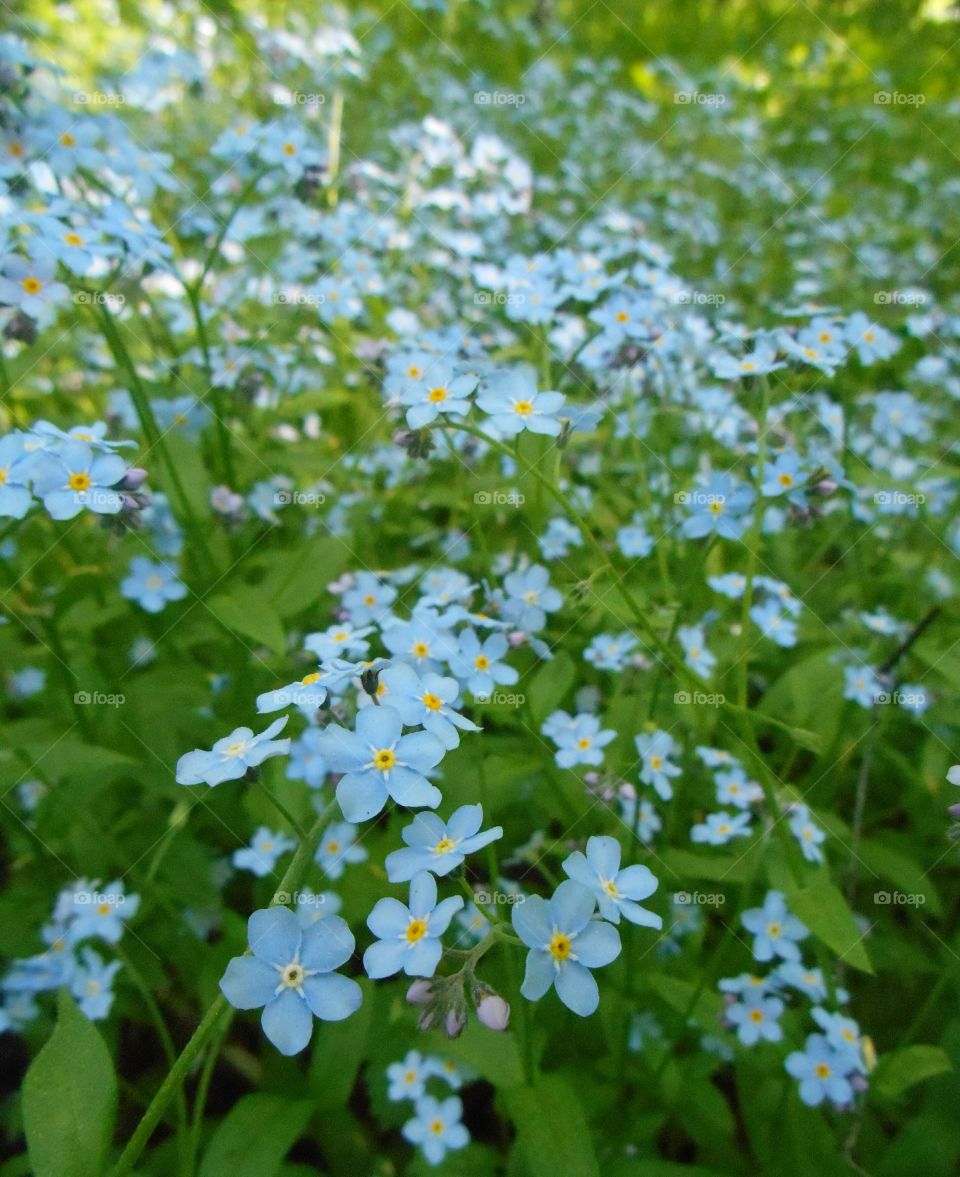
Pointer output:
x,y
493,1012
420,993
454,1022
134,478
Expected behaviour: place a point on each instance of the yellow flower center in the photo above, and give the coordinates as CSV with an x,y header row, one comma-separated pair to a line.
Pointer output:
x,y
656,761
583,743
333,847
823,1071
68,140
104,909
437,394
559,946
384,759
611,888
3,477
747,366
420,649
431,702
523,408
369,599
756,1016
310,679
444,846
293,975
773,930
436,1127
869,336
716,507
622,317
785,479
410,1077
79,482
416,930
414,372
482,662
32,285
16,150
289,149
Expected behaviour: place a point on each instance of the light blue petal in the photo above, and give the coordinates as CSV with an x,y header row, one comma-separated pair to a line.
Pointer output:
x,y
423,958
389,919
465,821
639,915
598,944
577,989
577,867
384,958
326,945
360,796
531,920
538,976
407,787
572,906
636,882
604,855
420,750
379,726
443,913
287,1022
332,997
274,935
423,895
249,983
403,864
426,829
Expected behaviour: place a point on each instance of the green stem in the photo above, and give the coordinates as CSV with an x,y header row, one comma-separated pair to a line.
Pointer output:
x,y
211,1020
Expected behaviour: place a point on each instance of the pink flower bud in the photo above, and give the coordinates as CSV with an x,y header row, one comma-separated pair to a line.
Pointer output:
x,y
420,993
516,638
134,478
493,1012
454,1022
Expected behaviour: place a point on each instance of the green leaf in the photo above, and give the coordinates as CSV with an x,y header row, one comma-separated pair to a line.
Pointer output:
x,y
706,1007
70,1099
248,612
300,581
552,1133
255,1136
494,1056
896,1072
824,910
549,685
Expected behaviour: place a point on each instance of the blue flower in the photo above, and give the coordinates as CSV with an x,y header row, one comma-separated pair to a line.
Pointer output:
x,y
784,475
773,624
151,585
529,598
616,890
565,942
696,655
581,741
478,664
306,759
634,540
75,476
512,400
733,788
609,652
91,912
407,1078
408,937
822,1072
775,930
337,640
719,506
379,762
436,1127
427,702
719,828
861,685
437,846
439,389
15,496
309,693
338,849
808,981
843,1034
807,834
290,974
92,985
655,749
757,1018
369,599
260,857
230,757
